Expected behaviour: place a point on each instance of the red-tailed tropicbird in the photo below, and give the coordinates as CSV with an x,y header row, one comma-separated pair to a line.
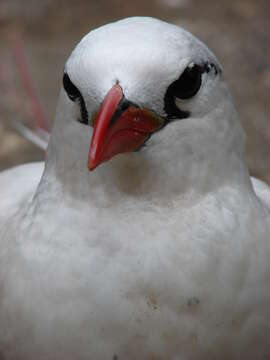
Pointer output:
x,y
161,250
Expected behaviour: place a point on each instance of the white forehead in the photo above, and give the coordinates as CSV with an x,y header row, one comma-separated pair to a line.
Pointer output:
x,y
138,52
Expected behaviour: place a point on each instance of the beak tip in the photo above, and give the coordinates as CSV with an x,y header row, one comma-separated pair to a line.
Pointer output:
x,y
91,165
92,158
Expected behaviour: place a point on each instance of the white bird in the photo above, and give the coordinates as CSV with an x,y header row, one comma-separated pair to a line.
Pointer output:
x,y
161,252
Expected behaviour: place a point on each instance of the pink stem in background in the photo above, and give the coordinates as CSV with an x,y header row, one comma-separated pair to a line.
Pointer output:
x,y
39,117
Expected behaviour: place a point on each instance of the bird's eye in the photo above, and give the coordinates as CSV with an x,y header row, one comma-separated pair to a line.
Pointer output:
x,y
71,90
74,94
185,87
189,82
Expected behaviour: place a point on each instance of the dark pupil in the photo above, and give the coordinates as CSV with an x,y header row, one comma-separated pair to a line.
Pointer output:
x,y
188,83
71,90
183,88
74,94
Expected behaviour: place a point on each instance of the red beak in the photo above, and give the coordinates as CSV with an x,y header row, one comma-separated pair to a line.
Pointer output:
x,y
119,127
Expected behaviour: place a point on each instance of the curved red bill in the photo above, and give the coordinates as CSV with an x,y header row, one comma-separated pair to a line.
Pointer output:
x,y
118,132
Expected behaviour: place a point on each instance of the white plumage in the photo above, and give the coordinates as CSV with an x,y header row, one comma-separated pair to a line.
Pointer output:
x,y
157,254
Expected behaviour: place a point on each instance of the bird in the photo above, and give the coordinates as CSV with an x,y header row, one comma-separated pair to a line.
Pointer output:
x,y
142,235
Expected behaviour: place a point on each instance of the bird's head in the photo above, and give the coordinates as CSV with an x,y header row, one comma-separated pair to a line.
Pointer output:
x,y
142,86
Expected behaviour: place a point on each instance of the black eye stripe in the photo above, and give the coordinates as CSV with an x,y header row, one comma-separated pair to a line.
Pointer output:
x,y
188,83
170,108
185,87
74,94
207,67
71,90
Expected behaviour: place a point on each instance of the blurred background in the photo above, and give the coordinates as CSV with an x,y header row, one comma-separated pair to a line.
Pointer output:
x,y
36,37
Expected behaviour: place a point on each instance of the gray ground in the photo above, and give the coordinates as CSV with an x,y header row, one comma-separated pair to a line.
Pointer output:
x,y
237,31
